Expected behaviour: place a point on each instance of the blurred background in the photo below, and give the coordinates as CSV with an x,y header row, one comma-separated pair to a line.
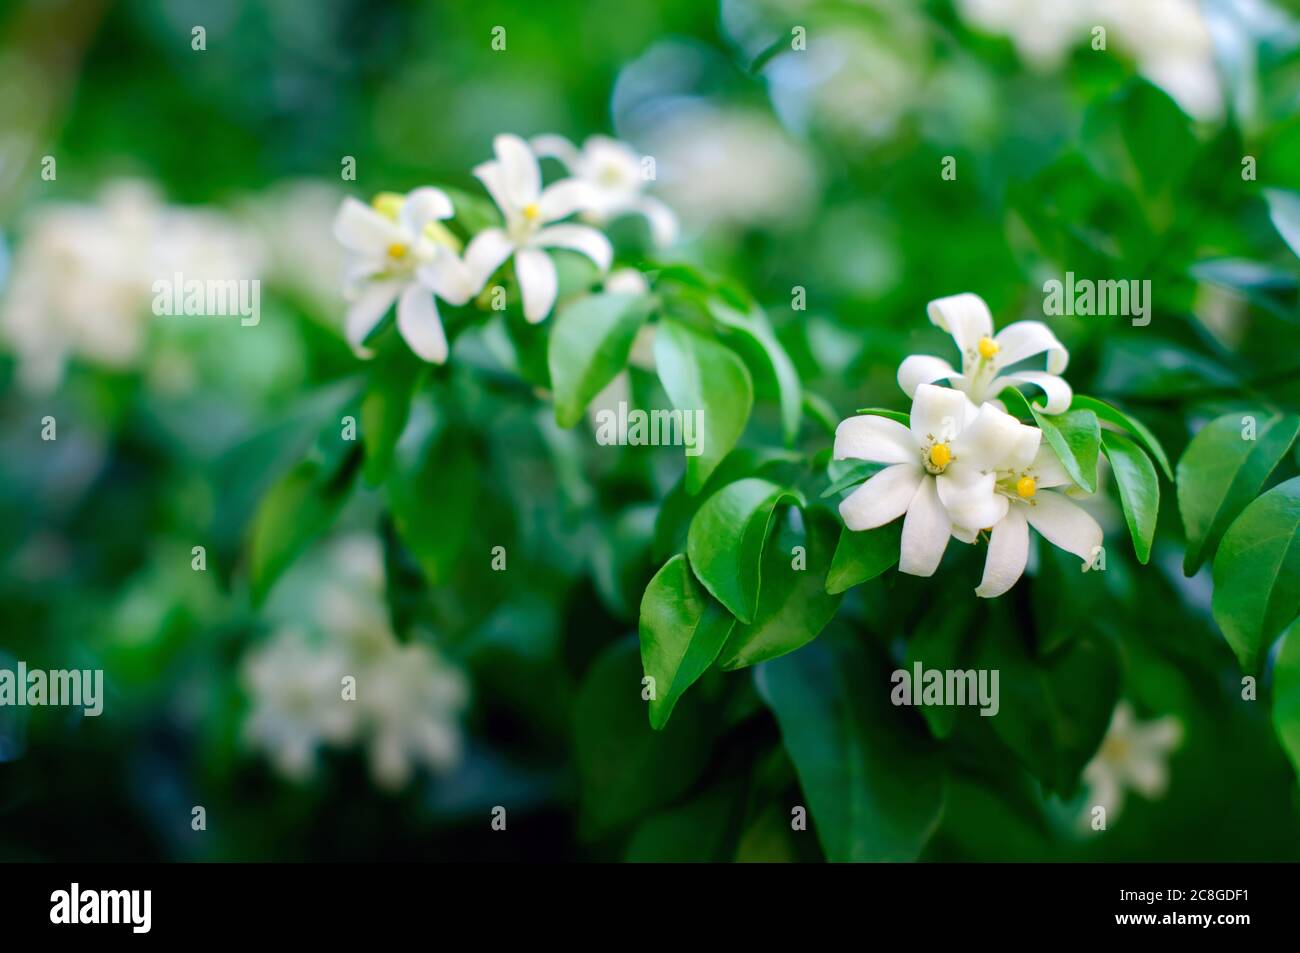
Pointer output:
x,y
801,144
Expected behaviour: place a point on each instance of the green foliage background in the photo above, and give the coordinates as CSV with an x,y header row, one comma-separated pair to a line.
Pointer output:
x,y
1087,168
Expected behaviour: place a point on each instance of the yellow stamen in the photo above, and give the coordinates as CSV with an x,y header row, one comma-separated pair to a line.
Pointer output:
x,y
1026,486
987,348
438,232
531,211
940,455
388,204
397,250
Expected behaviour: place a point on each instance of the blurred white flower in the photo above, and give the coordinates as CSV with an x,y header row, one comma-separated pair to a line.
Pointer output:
x,y
1133,755
295,686
408,701
514,180
1168,39
294,220
400,253
617,175
940,472
81,283
988,359
731,168
1037,497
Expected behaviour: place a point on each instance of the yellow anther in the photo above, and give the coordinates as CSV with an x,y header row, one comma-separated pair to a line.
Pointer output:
x,y
397,251
438,232
940,456
987,348
388,204
531,211
1026,486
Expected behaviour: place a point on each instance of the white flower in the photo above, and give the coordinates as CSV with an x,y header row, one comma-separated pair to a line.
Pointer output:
x,y
987,358
296,700
400,253
515,183
1036,501
1132,755
617,176
941,471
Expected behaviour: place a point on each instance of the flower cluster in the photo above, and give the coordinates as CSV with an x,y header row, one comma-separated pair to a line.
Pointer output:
x,y
964,467
401,252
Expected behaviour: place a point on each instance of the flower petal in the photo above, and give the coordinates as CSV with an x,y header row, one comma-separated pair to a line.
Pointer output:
x,y
372,303
419,324
579,238
1057,390
966,317
882,499
423,206
923,369
1048,470
537,281
940,413
969,497
556,147
520,174
360,229
926,529
995,440
450,278
493,178
874,438
1064,524
1008,552
662,219
486,252
1023,339
561,199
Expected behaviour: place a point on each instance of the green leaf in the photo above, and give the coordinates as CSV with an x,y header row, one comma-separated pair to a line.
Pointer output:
x,y
1075,438
394,375
1221,471
625,768
432,493
1286,695
682,631
589,344
1284,210
1257,573
1054,710
793,605
1139,489
849,473
875,784
774,374
700,374
1113,415
898,415
726,539
297,509
937,644
865,555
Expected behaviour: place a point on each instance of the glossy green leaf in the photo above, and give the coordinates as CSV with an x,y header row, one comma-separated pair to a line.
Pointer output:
x,y
845,474
1075,438
895,415
1054,710
726,539
1286,695
865,555
875,784
773,372
589,344
1221,471
1139,489
386,407
1257,573
682,630
297,509
1107,413
1284,210
700,374
432,494
793,605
